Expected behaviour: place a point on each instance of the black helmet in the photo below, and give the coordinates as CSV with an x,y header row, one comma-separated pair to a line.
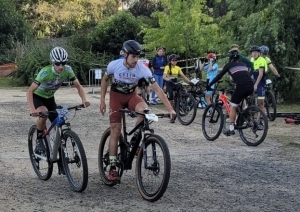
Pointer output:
x,y
233,55
172,56
254,49
132,47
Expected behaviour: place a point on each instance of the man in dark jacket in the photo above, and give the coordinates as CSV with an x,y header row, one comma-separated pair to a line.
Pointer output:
x,y
158,64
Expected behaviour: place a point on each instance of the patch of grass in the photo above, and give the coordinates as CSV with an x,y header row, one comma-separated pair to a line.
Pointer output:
x,y
8,82
288,108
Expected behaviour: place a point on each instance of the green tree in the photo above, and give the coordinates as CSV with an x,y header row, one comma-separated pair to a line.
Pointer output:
x,y
110,34
184,28
13,28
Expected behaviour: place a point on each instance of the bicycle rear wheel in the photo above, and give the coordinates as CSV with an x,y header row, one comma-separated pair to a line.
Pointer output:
x,y
41,164
270,104
212,122
153,180
252,125
74,161
186,109
103,157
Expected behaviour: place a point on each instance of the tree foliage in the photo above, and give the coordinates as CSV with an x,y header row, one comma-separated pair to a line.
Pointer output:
x,y
184,27
110,34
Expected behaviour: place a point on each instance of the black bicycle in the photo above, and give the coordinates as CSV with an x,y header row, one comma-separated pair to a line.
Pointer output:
x,y
185,105
269,101
63,147
153,162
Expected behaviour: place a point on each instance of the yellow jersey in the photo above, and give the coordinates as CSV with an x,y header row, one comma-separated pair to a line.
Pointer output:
x,y
173,73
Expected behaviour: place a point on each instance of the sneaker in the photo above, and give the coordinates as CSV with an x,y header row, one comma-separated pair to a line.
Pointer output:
x,y
260,126
158,101
172,121
229,132
153,102
40,146
113,175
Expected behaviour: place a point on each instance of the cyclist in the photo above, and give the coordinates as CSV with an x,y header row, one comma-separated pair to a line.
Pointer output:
x,y
259,74
143,81
171,72
40,95
125,75
158,63
243,59
211,69
244,85
264,50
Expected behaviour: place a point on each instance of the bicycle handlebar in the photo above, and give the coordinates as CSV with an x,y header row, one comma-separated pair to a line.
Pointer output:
x,y
44,114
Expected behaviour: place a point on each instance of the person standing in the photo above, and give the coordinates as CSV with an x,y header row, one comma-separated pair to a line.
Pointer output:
x,y
158,63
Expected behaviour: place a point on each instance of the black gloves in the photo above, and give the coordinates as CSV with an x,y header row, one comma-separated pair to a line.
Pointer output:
x,y
208,88
171,82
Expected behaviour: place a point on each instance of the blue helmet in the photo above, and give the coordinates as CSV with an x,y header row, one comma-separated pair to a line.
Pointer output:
x,y
264,49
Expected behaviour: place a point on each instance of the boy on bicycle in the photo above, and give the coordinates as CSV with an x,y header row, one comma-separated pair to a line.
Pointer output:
x,y
125,75
244,85
40,95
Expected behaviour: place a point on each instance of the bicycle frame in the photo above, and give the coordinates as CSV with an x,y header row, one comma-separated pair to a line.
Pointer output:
x,y
142,127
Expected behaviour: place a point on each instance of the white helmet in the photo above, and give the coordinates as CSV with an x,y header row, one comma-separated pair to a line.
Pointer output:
x,y
58,54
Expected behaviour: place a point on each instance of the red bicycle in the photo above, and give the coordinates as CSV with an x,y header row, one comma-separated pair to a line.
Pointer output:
x,y
251,122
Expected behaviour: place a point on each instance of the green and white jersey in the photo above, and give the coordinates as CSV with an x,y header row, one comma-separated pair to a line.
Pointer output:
x,y
49,81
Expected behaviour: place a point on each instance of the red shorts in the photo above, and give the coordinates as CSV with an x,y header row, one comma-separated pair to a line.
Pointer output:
x,y
118,101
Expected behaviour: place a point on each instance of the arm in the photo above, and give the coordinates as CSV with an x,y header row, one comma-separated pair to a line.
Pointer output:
x,y
104,85
29,95
274,70
260,75
81,92
187,80
218,77
160,93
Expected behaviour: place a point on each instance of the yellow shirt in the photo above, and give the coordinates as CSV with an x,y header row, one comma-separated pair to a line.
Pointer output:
x,y
174,73
259,62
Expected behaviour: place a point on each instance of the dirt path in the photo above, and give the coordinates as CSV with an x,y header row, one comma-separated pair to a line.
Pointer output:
x,y
224,175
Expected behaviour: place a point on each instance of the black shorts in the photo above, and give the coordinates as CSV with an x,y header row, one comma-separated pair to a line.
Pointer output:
x,y
241,92
141,81
50,104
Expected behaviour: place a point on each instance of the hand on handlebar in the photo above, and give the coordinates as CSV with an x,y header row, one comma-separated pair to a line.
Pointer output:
x,y
208,88
86,104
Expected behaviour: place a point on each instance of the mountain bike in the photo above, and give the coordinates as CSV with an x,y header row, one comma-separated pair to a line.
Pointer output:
x,y
63,146
185,105
153,162
251,123
269,101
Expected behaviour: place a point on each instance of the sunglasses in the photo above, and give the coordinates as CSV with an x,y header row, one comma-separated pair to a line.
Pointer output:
x,y
60,63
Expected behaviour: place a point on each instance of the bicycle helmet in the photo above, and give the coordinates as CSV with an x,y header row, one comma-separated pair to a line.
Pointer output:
x,y
254,49
233,55
211,56
58,54
132,47
264,49
172,57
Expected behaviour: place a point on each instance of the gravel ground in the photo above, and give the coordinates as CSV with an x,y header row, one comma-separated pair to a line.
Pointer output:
x,y
223,175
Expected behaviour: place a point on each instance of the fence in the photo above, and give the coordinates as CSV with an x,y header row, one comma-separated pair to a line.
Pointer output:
x,y
95,76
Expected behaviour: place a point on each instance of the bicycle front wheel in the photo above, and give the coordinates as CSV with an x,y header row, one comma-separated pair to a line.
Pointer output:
x,y
252,125
40,162
186,109
212,122
103,157
270,104
153,168
74,161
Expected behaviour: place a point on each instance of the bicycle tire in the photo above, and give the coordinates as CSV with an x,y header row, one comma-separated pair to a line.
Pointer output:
x,y
103,157
185,105
145,178
216,118
270,105
250,120
42,168
74,161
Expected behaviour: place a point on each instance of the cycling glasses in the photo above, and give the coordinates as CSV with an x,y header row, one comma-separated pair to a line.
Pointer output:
x,y
60,63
